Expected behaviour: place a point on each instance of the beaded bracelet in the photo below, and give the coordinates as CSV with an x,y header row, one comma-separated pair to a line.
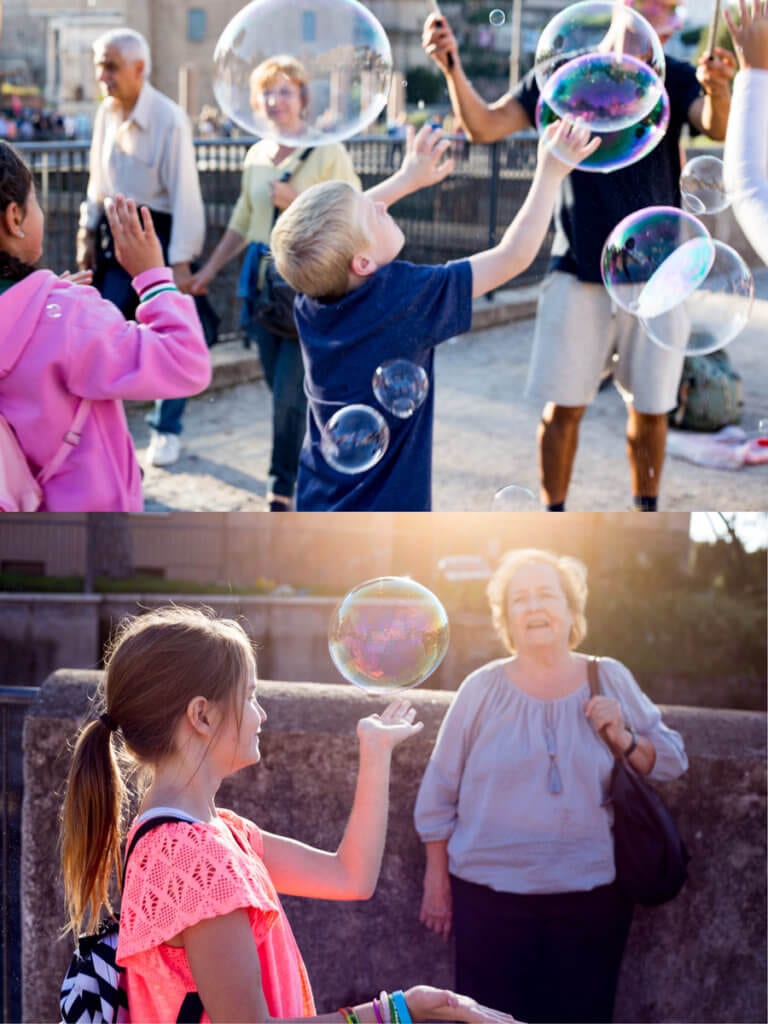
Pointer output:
x,y
349,1015
401,1008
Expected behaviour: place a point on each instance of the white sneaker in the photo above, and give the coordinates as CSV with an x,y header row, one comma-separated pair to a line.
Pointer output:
x,y
164,449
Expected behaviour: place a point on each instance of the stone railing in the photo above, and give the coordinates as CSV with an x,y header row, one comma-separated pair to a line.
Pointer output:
x,y
701,958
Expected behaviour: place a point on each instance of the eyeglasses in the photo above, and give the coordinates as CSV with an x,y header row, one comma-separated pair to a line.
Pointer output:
x,y
282,92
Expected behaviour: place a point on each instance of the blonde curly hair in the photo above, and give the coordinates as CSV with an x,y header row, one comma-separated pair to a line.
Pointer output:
x,y
572,574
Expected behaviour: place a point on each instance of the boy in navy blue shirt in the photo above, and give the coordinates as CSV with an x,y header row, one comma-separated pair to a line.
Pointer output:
x,y
358,307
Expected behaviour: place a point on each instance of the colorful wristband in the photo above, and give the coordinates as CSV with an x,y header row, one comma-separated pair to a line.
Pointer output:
x,y
349,1015
384,1004
377,1011
392,1010
401,1008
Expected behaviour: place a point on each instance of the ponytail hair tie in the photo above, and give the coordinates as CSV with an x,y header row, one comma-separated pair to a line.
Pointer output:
x,y
108,721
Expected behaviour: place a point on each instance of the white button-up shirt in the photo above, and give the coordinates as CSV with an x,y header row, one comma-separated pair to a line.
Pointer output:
x,y
148,156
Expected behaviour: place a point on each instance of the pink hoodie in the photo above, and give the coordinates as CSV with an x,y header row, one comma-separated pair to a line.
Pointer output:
x,y
60,342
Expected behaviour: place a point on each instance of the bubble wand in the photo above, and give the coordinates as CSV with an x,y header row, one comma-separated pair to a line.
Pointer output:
x,y
436,10
713,30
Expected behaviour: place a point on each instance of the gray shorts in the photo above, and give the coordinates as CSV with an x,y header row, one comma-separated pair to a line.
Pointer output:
x,y
579,333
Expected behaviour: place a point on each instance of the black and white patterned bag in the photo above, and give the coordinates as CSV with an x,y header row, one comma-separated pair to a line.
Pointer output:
x,y
93,990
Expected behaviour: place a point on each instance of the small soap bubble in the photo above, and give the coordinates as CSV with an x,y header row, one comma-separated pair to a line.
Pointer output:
x,y
497,18
388,634
514,498
702,186
354,439
303,75
53,310
400,387
634,263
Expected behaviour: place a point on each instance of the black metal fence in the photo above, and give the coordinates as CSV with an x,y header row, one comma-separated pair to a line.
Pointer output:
x,y
464,214
14,701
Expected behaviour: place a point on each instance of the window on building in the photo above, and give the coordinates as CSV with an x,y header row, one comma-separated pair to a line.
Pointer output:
x,y
308,26
196,25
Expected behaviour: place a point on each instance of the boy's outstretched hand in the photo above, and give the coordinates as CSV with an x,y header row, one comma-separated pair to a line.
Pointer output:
x,y
136,245
424,151
392,726
564,144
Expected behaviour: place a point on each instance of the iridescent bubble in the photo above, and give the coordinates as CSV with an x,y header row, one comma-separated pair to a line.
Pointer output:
x,y
53,310
388,634
714,314
606,91
344,70
620,148
637,249
597,27
354,439
514,499
497,18
702,186
400,387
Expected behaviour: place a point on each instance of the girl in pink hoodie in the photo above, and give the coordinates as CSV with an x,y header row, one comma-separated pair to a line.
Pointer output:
x,y
61,344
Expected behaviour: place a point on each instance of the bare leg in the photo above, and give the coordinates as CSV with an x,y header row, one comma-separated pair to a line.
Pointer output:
x,y
558,437
646,441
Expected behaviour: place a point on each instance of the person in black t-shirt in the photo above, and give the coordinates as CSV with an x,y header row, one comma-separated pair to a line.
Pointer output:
x,y
578,332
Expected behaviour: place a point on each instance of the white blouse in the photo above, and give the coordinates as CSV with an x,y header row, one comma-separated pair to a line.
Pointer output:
x,y
491,784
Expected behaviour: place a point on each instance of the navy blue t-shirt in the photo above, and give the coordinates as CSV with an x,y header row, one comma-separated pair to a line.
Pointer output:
x,y
591,204
401,312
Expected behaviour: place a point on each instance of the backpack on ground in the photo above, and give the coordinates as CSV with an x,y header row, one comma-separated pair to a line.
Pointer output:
x,y
20,489
93,990
709,396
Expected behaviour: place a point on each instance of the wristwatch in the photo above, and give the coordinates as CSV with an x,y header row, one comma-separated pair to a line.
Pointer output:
x,y
633,742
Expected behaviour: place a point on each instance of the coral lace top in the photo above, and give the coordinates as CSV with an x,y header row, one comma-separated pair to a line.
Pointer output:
x,y
184,872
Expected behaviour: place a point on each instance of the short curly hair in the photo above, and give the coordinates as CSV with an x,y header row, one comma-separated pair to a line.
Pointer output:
x,y
573,579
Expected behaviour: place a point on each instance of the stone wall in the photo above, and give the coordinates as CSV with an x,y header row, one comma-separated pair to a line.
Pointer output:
x,y
701,958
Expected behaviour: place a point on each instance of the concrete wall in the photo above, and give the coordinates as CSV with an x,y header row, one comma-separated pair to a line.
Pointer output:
x,y
701,958
39,632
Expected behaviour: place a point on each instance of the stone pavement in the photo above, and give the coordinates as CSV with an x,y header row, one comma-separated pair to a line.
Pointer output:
x,y
485,432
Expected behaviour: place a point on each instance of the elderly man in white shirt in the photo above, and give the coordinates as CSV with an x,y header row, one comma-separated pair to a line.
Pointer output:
x,y
142,147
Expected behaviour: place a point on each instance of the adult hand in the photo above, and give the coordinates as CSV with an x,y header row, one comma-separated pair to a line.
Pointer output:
x,y
283,194
182,276
750,36
136,245
437,902
79,277
424,152
199,281
439,42
426,1003
715,73
565,143
86,249
606,716
392,726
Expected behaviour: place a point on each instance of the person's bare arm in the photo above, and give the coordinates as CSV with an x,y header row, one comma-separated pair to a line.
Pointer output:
x,y
483,122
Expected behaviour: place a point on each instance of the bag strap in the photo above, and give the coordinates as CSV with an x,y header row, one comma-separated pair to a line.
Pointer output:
x,y
71,440
287,175
594,676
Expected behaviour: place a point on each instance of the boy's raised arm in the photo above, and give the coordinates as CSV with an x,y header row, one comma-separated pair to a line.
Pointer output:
x,y
423,166
524,236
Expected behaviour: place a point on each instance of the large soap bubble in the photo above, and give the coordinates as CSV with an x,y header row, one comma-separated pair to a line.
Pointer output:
x,y
702,185
714,314
617,148
388,634
340,80
597,27
654,258
354,439
606,91
400,386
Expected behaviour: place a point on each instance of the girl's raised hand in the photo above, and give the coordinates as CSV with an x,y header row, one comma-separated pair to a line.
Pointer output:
x,y
392,726
136,245
79,276
424,151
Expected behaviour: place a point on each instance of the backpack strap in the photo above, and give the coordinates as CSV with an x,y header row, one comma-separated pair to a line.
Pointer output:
x,y
71,440
144,827
287,175
594,676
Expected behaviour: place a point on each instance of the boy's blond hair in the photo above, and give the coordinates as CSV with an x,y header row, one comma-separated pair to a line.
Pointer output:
x,y
315,239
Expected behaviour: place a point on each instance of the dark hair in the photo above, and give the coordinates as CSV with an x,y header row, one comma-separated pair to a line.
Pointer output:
x,y
15,185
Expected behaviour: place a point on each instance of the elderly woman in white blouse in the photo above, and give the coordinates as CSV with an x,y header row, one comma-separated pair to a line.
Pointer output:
x,y
512,807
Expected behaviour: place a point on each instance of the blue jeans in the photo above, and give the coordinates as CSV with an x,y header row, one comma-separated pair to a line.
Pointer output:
x,y
284,374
